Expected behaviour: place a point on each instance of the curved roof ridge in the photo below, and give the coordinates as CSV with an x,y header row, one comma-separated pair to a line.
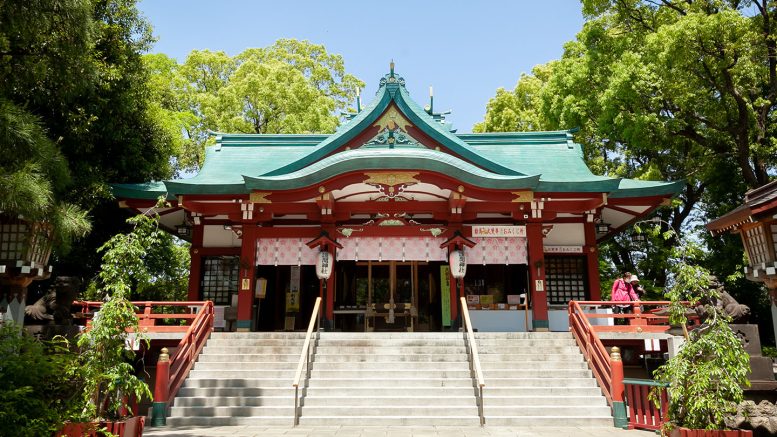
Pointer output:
x,y
387,93
396,159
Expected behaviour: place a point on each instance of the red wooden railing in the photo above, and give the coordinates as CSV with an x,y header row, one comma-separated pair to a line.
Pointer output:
x,y
189,349
151,314
593,350
171,371
643,413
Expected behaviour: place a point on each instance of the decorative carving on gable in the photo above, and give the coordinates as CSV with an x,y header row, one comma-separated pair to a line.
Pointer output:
x,y
523,196
259,197
392,179
392,120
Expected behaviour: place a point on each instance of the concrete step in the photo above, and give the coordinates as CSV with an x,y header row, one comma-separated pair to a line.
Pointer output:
x,y
387,365
394,357
522,335
235,401
396,374
490,374
213,421
255,357
395,391
214,366
391,335
539,391
546,410
540,382
287,410
490,400
541,421
376,383
283,391
236,382
390,410
535,357
380,400
288,374
257,335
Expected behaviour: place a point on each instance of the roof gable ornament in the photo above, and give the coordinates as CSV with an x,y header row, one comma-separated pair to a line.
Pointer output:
x,y
392,79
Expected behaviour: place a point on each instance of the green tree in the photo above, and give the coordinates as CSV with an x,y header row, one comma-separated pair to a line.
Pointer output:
x,y
76,65
669,90
39,384
289,87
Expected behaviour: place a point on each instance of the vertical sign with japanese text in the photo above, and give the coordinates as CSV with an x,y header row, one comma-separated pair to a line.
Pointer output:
x,y
445,295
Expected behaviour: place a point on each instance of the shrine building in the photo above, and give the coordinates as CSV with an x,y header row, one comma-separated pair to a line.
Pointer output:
x,y
390,196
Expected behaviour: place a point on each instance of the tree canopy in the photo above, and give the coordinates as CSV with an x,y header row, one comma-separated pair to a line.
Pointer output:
x,y
669,90
289,87
74,69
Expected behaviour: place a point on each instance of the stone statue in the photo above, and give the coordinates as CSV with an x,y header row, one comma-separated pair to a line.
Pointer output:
x,y
724,302
54,306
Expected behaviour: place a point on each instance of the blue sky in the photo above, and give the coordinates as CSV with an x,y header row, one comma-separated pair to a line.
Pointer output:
x,y
465,49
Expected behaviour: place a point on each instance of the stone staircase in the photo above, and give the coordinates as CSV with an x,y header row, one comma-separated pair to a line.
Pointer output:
x,y
390,379
538,379
240,378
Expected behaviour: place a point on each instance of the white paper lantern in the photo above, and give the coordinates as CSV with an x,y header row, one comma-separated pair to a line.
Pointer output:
x,y
458,264
324,265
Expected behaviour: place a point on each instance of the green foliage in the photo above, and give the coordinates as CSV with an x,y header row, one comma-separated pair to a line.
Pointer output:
x,y
669,90
289,87
76,66
38,384
108,372
32,171
707,375
769,351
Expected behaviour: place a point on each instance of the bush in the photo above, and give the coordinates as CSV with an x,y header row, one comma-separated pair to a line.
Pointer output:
x,y
39,384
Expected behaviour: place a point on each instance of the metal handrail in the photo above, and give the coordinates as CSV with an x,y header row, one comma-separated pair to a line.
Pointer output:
x,y
304,358
474,359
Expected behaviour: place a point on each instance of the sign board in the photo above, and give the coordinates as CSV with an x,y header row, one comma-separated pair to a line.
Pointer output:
x,y
292,301
295,278
563,249
539,285
260,292
245,284
498,231
445,296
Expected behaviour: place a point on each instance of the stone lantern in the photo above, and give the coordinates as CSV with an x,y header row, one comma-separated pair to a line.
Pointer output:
x,y
25,248
756,222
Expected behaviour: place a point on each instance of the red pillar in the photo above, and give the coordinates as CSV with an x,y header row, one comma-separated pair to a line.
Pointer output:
x,y
591,250
245,294
195,270
537,283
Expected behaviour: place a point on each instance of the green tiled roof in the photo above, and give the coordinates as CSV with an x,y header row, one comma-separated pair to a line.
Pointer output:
x,y
400,159
541,161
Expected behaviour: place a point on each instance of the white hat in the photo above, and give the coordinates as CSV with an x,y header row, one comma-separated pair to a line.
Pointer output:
x,y
634,278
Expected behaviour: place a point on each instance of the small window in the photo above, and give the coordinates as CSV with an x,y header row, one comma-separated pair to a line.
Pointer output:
x,y
566,278
219,278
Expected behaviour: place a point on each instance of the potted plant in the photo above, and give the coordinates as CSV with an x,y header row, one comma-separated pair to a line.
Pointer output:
x,y
108,375
707,376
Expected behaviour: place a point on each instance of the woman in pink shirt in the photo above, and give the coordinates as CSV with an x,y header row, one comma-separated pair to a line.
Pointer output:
x,y
622,290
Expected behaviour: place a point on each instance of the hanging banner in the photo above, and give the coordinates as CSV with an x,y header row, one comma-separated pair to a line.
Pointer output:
x,y
445,295
261,288
292,296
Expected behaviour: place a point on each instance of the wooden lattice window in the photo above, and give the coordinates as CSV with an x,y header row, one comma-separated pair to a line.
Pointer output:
x,y
757,248
219,278
566,278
